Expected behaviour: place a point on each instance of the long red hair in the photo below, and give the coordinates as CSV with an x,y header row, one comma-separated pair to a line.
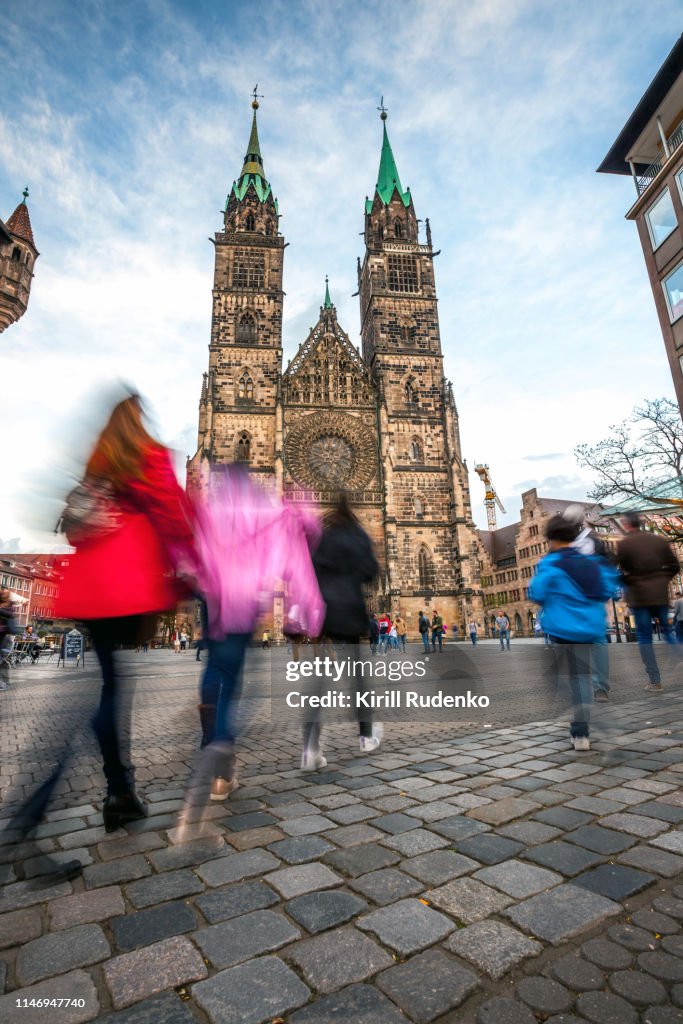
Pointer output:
x,y
123,445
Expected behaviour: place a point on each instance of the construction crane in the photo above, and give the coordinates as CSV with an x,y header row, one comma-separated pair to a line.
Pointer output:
x,y
491,499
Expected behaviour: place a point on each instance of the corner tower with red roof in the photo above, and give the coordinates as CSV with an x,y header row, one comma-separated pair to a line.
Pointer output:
x,y
18,255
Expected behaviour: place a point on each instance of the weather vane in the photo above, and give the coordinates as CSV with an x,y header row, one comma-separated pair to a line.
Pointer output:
x,y
257,96
382,109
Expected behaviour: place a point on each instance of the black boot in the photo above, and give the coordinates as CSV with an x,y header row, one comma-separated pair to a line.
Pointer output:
x,y
119,810
207,720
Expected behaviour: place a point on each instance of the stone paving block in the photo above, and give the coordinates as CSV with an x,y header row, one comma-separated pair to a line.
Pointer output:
x,y
659,861
299,849
170,885
418,840
518,879
605,1008
59,952
167,1008
338,958
407,926
672,841
253,993
665,812
439,866
18,927
600,840
501,1010
86,837
253,837
614,881
561,913
353,1004
186,855
394,824
502,811
428,812
351,814
428,986
318,911
492,947
126,845
27,894
355,835
566,858
637,988
635,824
297,809
303,878
562,817
236,866
669,905
77,986
255,819
468,900
529,832
606,954
241,938
85,908
595,805
147,926
578,974
633,937
661,965
544,995
489,848
308,825
35,866
459,827
236,900
359,860
135,976
386,886
124,870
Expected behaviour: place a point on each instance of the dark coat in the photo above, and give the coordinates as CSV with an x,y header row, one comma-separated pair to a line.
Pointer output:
x,y
343,562
647,563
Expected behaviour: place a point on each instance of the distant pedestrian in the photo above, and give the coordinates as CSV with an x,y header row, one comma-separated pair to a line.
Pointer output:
x,y
677,618
648,563
401,631
266,639
503,627
473,631
374,634
423,628
384,627
183,640
437,630
393,636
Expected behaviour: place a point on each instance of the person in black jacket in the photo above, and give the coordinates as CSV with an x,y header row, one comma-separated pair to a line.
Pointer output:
x,y
343,561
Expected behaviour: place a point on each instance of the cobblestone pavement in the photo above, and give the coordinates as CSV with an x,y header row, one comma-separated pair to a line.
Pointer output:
x,y
462,873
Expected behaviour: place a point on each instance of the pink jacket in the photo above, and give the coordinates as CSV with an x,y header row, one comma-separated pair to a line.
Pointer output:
x,y
248,544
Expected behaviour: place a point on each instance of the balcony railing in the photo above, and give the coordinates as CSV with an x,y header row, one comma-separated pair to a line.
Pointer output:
x,y
644,180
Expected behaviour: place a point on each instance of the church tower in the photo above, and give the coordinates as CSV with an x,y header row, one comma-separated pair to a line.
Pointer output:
x,y
18,255
430,539
237,408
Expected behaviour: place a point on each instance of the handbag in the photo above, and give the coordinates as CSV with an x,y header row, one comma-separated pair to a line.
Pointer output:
x,y
91,511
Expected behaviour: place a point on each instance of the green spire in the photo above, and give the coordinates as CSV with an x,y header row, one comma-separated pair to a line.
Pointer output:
x,y
328,300
252,170
253,161
387,177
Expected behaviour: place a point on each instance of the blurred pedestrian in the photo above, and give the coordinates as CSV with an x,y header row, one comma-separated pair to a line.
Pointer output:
x,y
129,521
437,630
384,627
266,639
572,590
677,617
473,631
393,636
423,627
503,627
648,564
7,629
374,634
401,632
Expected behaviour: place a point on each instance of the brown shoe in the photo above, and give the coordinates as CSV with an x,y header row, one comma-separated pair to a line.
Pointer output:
x,y
600,696
222,788
654,688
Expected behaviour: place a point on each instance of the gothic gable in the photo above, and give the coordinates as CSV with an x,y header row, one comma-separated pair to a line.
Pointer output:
x,y
327,370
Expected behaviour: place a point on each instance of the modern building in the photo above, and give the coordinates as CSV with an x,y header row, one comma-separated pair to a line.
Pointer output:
x,y
33,581
18,255
650,149
379,422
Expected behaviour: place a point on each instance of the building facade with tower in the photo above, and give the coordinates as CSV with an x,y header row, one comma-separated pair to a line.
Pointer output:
x,y
379,421
18,255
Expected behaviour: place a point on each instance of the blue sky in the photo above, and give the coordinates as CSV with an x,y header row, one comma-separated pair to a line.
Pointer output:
x,y
129,122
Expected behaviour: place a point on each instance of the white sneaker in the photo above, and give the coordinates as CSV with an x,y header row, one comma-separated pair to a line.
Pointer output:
x,y
369,743
312,760
378,731
581,743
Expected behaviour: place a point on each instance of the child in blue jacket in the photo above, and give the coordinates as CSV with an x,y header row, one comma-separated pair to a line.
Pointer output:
x,y
572,590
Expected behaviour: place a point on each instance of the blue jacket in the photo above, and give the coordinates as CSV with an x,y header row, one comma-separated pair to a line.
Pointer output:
x,y
572,589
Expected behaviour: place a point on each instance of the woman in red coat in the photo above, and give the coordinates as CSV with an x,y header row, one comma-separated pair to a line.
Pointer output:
x,y
118,582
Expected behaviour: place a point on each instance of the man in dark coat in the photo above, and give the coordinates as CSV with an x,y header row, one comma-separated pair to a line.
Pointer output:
x,y
648,564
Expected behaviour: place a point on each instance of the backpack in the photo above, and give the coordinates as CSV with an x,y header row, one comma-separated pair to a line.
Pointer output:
x,y
91,511
424,624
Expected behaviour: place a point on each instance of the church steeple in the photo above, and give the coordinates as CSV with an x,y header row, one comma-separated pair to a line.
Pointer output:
x,y
251,205
328,300
390,213
388,180
18,255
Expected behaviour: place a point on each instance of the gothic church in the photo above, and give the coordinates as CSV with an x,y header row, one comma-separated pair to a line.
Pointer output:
x,y
382,425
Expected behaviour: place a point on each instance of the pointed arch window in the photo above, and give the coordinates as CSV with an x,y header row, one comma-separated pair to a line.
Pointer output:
x,y
410,392
419,508
16,254
245,386
398,229
416,451
250,222
246,328
243,447
380,233
425,569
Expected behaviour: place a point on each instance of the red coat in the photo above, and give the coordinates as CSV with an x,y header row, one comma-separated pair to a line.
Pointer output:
x,y
130,571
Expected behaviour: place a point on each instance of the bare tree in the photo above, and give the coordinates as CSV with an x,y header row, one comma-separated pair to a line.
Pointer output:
x,y
641,453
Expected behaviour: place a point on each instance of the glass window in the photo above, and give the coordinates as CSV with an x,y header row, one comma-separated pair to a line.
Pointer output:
x,y
661,218
673,289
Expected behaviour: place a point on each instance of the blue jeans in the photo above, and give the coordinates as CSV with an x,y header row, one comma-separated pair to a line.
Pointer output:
x,y
425,640
374,641
600,676
402,641
383,642
473,638
504,635
221,683
578,661
436,635
644,631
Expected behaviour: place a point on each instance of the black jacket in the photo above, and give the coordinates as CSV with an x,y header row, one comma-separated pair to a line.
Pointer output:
x,y
343,562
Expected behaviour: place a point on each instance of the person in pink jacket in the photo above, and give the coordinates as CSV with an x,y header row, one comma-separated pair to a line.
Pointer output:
x,y
247,543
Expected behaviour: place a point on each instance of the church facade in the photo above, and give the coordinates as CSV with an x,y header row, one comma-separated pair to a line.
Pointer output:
x,y
380,422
